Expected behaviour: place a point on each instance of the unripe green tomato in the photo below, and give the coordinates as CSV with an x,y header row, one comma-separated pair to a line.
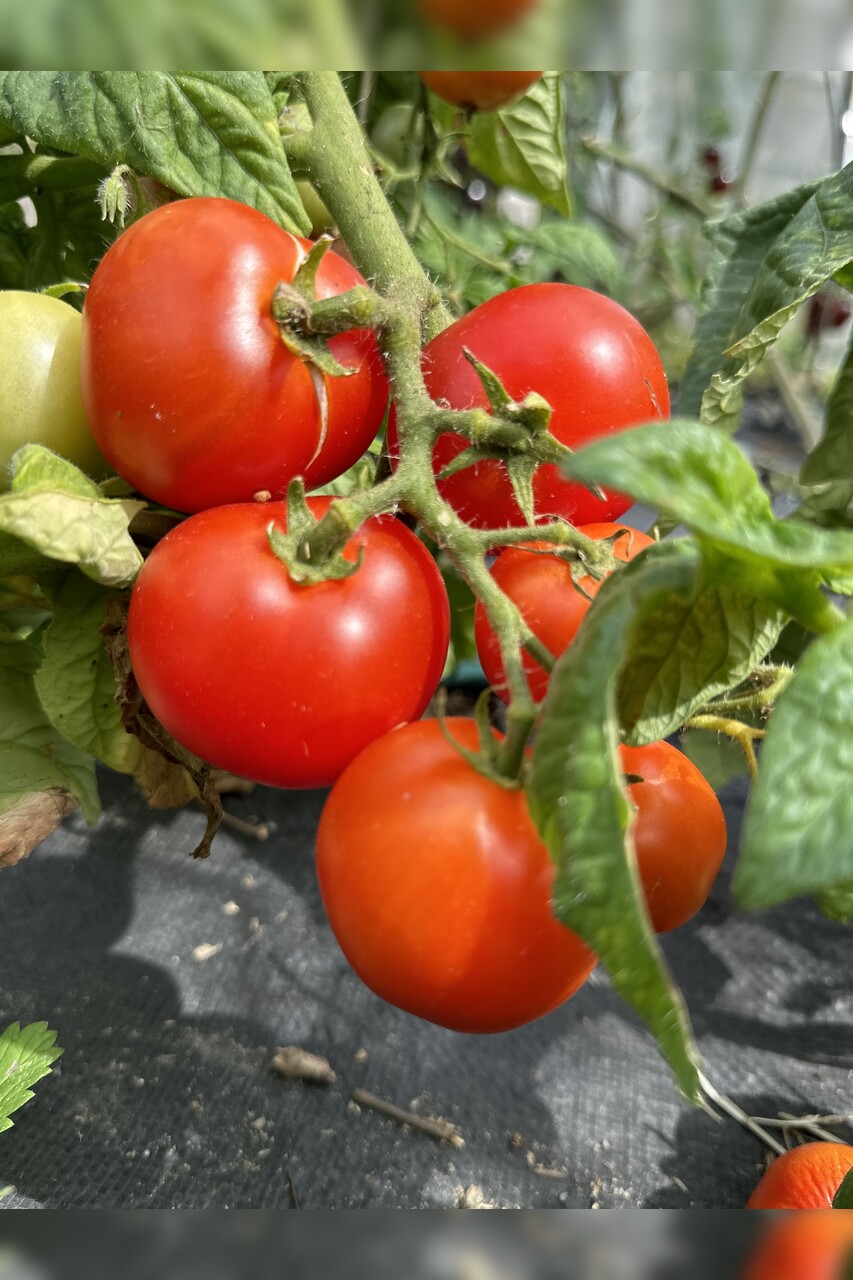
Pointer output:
x,y
399,134
41,402
321,219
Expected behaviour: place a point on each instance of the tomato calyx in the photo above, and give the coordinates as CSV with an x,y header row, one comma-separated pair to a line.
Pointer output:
x,y
308,557
514,433
489,759
293,307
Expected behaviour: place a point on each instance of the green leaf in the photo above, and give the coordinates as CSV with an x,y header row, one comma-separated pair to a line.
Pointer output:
x,y
60,514
76,683
837,904
201,133
717,757
523,145
701,479
739,245
579,252
796,834
26,1056
580,807
691,639
843,1198
832,458
815,244
34,757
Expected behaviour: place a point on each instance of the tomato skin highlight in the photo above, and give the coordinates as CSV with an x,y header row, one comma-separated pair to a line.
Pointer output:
x,y
806,1177
279,682
679,832
437,886
191,393
550,603
479,90
594,364
804,1246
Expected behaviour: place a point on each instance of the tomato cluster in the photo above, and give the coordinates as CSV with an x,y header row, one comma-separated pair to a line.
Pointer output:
x,y
437,885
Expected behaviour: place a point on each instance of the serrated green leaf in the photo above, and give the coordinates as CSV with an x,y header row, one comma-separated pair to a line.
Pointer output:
x,y
717,757
523,146
76,683
60,514
832,457
815,244
34,757
26,1056
200,133
693,638
796,833
580,807
739,245
701,479
579,251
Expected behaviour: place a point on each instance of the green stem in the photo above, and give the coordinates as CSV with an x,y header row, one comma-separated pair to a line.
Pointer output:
x,y
342,170
743,734
21,175
750,150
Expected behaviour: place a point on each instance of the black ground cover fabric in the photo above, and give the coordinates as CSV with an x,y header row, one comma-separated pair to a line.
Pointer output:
x,y
171,983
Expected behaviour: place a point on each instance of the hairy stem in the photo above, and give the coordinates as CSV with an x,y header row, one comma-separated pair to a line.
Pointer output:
x,y
338,161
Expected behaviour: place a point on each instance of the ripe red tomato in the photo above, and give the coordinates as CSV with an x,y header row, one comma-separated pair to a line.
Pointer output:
x,y
591,360
479,90
191,394
804,1246
279,682
549,601
438,888
679,832
476,18
805,1177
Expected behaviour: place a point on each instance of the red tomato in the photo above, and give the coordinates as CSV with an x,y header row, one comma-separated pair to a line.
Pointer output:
x,y
593,363
438,888
549,601
804,1246
191,394
805,1177
474,19
274,681
679,832
479,90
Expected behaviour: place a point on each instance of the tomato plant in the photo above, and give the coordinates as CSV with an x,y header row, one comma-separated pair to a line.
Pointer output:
x,y
438,887
592,362
225,359
41,401
552,604
479,90
805,1177
276,681
191,393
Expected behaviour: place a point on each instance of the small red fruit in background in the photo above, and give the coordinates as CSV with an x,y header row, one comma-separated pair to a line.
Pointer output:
x,y
552,605
476,19
479,90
